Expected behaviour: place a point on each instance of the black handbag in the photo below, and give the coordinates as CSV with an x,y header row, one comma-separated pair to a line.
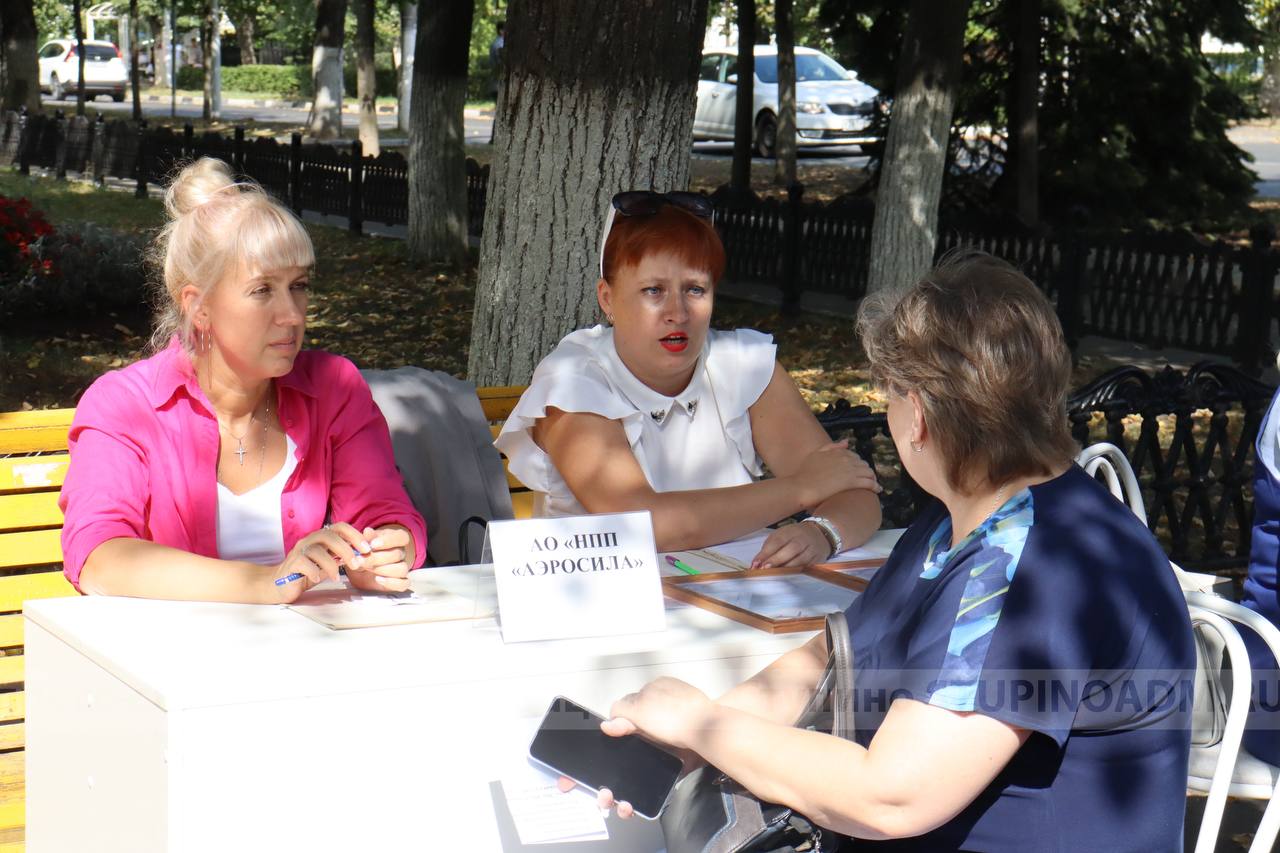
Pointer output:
x,y
711,813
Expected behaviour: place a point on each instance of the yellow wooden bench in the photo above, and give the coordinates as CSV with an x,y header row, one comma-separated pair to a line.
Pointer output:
x,y
33,464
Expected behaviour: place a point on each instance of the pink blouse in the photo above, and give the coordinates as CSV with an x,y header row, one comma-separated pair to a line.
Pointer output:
x,y
144,450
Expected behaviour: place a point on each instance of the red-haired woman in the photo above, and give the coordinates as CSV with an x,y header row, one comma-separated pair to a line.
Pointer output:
x,y
658,411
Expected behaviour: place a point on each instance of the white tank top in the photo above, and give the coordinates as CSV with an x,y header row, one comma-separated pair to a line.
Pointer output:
x,y
249,526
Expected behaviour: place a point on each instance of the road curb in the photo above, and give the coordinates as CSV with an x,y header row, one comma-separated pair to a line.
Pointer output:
x,y
279,104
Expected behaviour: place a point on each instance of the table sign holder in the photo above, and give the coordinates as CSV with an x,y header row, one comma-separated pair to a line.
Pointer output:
x,y
808,593
576,576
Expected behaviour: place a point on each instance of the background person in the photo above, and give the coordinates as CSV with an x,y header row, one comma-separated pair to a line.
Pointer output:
x,y
1262,737
1024,658
657,411
207,471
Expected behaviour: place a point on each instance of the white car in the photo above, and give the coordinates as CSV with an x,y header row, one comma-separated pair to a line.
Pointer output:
x,y
104,69
833,107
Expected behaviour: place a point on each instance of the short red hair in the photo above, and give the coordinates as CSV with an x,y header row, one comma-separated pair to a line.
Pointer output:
x,y
690,238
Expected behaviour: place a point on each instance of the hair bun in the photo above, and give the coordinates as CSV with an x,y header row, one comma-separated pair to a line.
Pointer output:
x,y
196,185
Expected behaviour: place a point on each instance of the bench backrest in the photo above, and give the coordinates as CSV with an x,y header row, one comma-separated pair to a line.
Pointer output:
x,y
33,463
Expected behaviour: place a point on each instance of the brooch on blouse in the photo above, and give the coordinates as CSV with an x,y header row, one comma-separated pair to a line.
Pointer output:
x,y
658,414
692,406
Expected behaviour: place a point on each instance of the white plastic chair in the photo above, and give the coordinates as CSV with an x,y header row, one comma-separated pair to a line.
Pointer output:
x,y
1116,472
1118,475
1218,765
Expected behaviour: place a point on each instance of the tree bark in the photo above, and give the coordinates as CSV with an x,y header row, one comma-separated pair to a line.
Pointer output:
x,y
325,121
785,164
744,103
366,80
246,28
597,98
904,232
206,59
80,57
408,44
437,158
21,67
1024,131
135,81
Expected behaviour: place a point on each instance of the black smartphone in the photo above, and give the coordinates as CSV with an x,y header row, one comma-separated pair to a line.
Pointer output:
x,y
636,770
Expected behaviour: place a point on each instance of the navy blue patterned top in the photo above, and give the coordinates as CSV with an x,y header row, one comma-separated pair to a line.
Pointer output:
x,y
1058,614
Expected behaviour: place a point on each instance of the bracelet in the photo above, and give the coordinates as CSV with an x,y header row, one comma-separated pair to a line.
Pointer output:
x,y
829,532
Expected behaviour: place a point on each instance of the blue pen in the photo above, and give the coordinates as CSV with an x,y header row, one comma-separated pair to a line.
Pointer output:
x,y
296,576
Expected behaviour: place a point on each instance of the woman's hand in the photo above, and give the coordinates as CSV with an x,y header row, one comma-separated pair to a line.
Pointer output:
x,y
830,470
318,556
385,567
667,711
793,545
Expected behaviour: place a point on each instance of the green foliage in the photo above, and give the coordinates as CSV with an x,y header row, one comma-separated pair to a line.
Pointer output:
x,y
484,27
286,81
1132,117
283,81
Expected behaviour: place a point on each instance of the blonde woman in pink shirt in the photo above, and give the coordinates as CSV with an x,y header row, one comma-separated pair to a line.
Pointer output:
x,y
209,470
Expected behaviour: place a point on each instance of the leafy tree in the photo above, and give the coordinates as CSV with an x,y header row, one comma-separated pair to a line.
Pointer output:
x,y
1132,119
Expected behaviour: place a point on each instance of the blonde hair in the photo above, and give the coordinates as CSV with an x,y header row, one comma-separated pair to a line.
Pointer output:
x,y
217,225
982,348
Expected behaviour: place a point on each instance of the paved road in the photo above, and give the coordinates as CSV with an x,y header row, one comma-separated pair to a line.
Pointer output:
x,y
478,128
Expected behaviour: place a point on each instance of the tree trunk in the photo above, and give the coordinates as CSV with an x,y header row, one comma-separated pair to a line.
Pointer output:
x,y
325,121
366,80
79,31
408,44
437,158
135,80
904,232
21,67
785,165
245,32
606,91
206,58
1024,113
744,105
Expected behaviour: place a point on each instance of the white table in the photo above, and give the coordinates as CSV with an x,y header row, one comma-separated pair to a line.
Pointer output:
x,y
211,727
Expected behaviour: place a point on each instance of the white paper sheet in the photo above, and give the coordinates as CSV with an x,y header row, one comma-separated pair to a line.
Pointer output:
x,y
540,812
783,597
343,607
740,551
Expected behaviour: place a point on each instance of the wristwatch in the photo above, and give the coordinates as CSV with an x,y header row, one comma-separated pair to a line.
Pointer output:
x,y
829,531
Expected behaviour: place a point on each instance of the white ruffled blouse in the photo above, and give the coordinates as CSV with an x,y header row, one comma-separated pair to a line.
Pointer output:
x,y
698,439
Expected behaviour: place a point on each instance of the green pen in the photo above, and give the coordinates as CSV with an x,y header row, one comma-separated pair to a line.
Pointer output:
x,y
684,567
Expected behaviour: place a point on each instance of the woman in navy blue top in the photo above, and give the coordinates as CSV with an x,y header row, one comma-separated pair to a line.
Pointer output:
x,y
1261,593
1024,658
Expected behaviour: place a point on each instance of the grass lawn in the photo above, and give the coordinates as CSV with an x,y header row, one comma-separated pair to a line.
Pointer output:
x,y
368,302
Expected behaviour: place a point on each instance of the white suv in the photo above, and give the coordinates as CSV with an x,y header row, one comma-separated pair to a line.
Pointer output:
x,y
832,106
104,69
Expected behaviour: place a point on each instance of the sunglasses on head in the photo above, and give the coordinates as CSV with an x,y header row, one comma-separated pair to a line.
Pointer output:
x,y
648,203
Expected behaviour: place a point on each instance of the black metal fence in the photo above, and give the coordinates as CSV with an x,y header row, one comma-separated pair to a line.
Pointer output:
x,y
326,179
1188,436
1154,288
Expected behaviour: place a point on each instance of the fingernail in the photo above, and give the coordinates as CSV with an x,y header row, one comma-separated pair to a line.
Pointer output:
x,y
377,543
357,560
364,547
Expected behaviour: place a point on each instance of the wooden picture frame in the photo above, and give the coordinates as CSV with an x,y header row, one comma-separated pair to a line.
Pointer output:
x,y
699,591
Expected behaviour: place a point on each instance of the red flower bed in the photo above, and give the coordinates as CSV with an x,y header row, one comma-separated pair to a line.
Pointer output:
x,y
20,226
